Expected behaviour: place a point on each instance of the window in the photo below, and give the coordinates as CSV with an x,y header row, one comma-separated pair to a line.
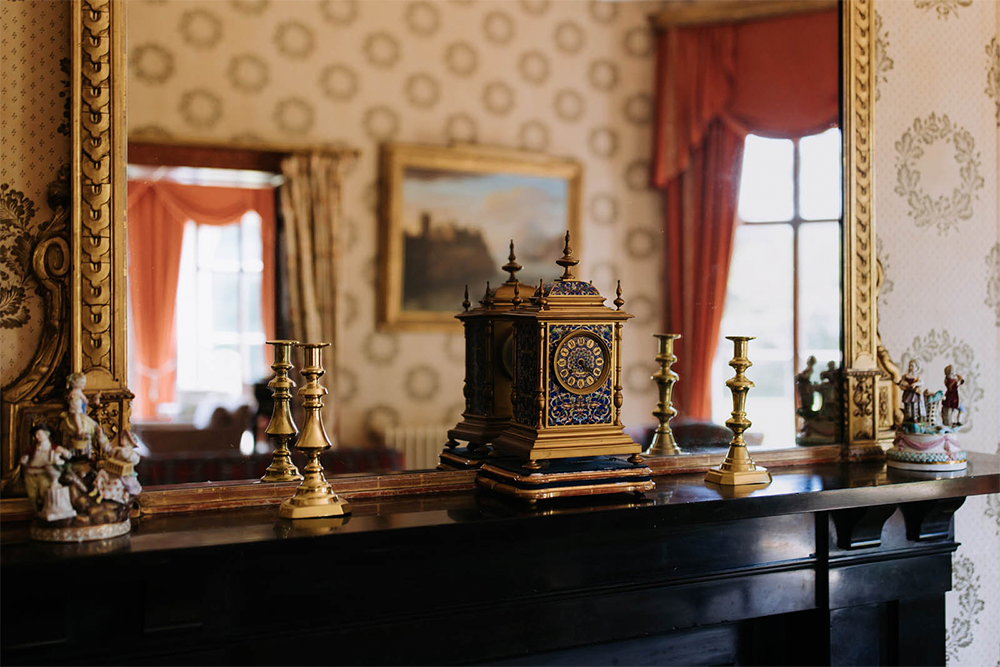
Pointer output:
x,y
216,343
220,330
784,278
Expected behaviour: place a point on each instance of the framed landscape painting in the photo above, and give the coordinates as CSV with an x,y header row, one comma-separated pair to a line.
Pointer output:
x,y
448,215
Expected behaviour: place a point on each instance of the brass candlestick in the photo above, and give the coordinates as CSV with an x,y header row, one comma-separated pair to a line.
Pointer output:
x,y
663,438
281,429
739,468
314,497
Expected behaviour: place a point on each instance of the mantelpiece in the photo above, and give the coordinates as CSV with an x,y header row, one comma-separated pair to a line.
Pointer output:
x,y
684,574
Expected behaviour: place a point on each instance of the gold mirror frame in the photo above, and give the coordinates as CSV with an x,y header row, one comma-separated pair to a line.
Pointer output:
x,y
82,273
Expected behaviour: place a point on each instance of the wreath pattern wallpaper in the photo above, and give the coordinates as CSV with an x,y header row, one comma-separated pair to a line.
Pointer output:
x,y
936,182
570,78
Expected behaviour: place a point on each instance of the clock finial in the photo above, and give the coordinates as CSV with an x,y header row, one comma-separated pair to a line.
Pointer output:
x,y
466,303
542,301
567,261
487,299
511,266
516,301
619,301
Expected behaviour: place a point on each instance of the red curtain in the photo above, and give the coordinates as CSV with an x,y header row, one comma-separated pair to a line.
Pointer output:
x,y
714,84
157,212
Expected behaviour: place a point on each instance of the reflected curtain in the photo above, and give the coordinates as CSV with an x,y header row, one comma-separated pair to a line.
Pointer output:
x,y
715,84
309,198
157,212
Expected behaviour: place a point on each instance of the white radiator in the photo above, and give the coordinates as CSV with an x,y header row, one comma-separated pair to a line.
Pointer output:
x,y
419,445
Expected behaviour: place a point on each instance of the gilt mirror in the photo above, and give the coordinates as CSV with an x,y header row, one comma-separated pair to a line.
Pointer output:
x,y
241,96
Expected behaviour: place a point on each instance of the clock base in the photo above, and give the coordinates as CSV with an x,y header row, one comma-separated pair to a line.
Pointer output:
x,y
564,478
463,458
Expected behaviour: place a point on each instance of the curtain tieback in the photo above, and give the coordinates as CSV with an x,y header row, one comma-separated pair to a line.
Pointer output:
x,y
153,374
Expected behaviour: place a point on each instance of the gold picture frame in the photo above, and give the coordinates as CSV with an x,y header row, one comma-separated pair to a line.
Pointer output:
x,y
81,269
399,165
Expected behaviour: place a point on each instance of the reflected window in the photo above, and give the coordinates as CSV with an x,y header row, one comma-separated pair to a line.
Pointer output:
x,y
220,330
784,278
201,293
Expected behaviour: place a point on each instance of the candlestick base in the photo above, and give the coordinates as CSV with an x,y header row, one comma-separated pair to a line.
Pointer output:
x,y
281,469
663,444
738,468
309,506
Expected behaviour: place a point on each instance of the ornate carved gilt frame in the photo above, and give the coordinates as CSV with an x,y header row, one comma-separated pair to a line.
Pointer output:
x,y
83,271
81,268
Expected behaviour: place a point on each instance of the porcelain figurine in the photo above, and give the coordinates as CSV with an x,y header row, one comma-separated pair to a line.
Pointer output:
x,y
117,480
78,497
78,426
913,404
804,385
818,425
58,505
41,464
927,440
952,408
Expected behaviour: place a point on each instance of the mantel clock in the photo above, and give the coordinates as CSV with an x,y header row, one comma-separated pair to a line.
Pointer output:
x,y
566,397
488,371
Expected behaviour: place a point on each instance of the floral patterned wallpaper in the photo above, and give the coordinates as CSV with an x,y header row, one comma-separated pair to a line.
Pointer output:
x,y
569,78
937,115
34,115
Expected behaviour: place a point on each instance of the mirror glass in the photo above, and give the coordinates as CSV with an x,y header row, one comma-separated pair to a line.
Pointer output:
x,y
574,80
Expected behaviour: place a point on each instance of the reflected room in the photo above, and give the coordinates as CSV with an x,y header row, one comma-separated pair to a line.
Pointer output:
x,y
340,171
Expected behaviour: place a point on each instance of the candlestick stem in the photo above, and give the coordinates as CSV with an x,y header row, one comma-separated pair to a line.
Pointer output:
x,y
739,468
663,442
314,497
281,429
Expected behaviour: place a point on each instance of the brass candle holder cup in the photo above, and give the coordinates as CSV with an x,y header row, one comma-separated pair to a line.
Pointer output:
x,y
739,468
314,497
281,429
663,438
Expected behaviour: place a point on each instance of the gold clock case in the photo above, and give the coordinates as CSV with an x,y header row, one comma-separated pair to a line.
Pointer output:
x,y
548,421
487,377
481,424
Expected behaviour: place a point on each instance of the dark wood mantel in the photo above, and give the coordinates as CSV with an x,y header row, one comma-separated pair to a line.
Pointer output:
x,y
830,564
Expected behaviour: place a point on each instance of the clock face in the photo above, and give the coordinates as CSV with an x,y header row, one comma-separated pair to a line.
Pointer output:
x,y
582,362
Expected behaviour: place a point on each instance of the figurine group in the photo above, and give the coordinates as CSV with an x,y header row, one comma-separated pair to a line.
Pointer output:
x,y
927,439
819,423
85,485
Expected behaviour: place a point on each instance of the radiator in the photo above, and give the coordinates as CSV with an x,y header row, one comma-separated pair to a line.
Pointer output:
x,y
419,445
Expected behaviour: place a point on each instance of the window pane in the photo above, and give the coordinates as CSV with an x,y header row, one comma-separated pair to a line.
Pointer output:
x,y
819,291
226,302
766,179
224,370
759,289
219,246
254,318
260,370
186,313
820,176
252,243
759,301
